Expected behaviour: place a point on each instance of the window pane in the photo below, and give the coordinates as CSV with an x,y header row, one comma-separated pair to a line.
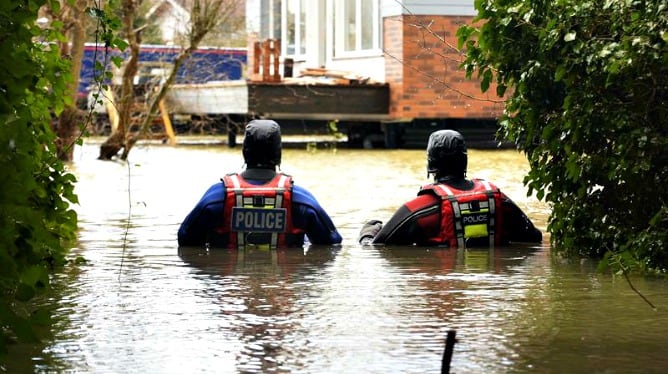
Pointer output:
x,y
290,32
270,28
265,19
349,25
302,27
367,19
276,19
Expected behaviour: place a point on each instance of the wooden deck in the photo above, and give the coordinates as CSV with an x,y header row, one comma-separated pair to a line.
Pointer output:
x,y
320,101
283,100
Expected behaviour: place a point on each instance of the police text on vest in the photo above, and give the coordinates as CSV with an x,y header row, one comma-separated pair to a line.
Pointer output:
x,y
258,219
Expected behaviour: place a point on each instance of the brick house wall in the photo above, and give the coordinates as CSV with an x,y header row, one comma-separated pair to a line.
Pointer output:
x,y
421,64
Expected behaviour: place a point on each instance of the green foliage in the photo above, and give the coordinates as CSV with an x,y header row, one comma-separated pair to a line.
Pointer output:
x,y
333,127
587,83
36,221
107,22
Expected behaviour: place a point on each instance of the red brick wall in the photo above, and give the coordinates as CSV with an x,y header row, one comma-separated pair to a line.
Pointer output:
x,y
394,69
421,64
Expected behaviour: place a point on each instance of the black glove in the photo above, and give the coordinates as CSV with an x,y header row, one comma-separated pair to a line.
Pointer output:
x,y
369,231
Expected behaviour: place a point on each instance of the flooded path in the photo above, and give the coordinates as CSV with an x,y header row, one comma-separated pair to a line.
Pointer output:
x,y
143,305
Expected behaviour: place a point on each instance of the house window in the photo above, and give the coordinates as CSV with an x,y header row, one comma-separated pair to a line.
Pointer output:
x,y
285,20
270,27
356,26
294,30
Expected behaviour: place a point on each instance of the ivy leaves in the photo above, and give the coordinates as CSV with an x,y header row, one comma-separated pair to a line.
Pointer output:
x,y
37,224
586,90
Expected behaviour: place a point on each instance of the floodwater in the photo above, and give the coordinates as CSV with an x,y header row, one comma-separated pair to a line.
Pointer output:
x,y
142,305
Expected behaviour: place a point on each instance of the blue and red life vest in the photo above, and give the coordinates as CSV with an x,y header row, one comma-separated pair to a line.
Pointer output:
x,y
260,214
468,216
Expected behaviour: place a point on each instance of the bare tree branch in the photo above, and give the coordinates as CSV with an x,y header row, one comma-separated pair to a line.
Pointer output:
x,y
204,16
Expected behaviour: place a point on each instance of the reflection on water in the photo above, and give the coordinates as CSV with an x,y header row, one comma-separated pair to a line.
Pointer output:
x,y
259,296
143,305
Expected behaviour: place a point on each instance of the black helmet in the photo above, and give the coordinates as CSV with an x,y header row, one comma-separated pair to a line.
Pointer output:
x,y
446,153
262,144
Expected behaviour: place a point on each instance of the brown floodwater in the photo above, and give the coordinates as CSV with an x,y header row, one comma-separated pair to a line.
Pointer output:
x,y
141,304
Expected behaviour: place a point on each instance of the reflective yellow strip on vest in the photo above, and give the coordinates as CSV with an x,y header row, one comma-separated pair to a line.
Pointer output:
x,y
235,181
239,201
484,205
282,180
456,212
282,184
269,202
446,189
475,231
278,202
492,212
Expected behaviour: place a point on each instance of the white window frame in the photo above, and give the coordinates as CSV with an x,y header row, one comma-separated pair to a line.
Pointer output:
x,y
300,9
339,30
272,18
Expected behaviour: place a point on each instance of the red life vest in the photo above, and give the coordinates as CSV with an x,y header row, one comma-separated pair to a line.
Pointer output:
x,y
259,214
468,214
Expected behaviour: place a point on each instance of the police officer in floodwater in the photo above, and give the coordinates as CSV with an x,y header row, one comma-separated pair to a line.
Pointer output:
x,y
258,206
453,211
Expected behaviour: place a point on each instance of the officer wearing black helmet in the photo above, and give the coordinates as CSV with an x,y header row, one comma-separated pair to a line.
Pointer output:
x,y
259,206
453,211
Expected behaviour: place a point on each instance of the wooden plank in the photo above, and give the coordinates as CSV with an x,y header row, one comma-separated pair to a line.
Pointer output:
x,y
265,60
276,52
110,103
167,123
257,52
318,99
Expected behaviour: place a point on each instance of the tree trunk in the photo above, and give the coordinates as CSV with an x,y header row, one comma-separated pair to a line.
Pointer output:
x,y
72,121
205,15
111,146
154,102
116,140
68,129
